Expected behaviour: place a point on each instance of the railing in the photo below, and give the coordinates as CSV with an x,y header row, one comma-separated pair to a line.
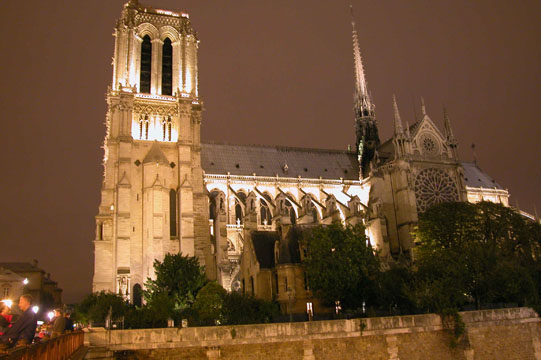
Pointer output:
x,y
58,348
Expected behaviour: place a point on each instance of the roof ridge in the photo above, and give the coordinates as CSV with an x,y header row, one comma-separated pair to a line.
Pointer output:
x,y
279,147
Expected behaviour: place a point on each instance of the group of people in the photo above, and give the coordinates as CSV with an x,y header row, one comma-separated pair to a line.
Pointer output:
x,y
21,331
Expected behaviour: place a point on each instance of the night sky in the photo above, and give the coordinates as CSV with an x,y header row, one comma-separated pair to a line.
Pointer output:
x,y
271,72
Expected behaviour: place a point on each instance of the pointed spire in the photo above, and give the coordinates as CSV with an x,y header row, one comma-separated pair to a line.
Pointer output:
x,y
361,91
397,120
447,125
423,107
408,135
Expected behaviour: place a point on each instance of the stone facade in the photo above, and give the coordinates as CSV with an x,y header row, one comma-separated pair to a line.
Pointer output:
x,y
238,208
490,334
152,197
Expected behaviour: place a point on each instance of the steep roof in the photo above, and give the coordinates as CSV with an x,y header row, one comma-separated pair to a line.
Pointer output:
x,y
263,242
219,158
475,177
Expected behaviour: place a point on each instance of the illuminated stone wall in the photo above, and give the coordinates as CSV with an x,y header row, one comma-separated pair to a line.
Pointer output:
x,y
492,334
151,154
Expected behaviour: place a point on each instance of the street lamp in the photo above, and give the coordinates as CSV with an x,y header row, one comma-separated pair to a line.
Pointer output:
x,y
35,309
25,281
50,315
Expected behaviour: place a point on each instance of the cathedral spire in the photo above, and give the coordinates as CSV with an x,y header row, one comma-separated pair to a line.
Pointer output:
x,y
362,96
447,125
423,107
367,138
397,121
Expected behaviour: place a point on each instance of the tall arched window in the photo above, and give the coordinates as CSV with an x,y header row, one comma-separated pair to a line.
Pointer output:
x,y
264,212
291,211
146,60
173,213
167,68
238,214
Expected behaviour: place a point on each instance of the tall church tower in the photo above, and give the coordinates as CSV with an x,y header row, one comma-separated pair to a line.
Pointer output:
x,y
152,197
366,130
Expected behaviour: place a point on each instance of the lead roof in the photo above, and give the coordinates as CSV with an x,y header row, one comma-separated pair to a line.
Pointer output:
x,y
220,158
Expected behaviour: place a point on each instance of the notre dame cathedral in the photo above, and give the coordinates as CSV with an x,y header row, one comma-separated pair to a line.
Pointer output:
x,y
241,209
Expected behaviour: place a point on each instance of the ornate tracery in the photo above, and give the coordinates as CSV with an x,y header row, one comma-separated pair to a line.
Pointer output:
x,y
434,186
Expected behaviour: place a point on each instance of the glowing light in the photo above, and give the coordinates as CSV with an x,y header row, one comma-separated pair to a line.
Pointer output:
x,y
155,129
25,281
167,12
157,97
35,309
7,302
40,322
188,83
50,315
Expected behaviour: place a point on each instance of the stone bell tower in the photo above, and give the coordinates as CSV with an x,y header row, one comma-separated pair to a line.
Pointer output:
x,y
152,196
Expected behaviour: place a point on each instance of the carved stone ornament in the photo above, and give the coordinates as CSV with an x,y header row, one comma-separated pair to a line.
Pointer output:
x,y
141,108
429,144
434,186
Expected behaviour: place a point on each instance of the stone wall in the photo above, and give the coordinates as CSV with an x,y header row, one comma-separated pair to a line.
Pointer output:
x,y
490,334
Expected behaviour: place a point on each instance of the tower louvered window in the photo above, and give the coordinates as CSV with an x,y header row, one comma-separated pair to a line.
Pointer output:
x,y
146,61
167,68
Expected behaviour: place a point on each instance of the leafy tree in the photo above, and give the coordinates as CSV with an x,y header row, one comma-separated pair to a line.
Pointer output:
x,y
178,279
95,307
393,289
209,304
245,309
479,253
341,265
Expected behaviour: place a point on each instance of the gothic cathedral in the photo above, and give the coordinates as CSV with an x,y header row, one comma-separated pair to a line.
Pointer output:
x,y
241,209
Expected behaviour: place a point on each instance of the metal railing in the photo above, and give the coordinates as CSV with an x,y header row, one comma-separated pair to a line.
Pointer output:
x,y
58,348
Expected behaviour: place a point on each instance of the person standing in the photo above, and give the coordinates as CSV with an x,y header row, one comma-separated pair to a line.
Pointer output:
x,y
23,330
69,323
58,323
5,318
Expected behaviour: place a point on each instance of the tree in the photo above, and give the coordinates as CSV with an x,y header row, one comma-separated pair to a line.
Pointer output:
x,y
245,309
209,304
341,265
480,253
95,307
178,279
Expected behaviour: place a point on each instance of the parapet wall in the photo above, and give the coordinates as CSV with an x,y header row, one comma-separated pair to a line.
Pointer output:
x,y
490,334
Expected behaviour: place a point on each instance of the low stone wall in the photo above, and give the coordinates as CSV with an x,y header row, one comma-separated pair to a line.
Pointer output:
x,y
490,334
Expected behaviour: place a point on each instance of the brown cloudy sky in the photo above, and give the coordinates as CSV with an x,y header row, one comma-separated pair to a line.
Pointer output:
x,y
271,72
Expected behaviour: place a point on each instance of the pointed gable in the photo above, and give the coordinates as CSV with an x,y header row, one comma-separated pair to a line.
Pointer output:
x,y
427,139
155,155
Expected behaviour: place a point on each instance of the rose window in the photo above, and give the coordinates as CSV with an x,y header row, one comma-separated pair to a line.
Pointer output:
x,y
434,186
429,144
